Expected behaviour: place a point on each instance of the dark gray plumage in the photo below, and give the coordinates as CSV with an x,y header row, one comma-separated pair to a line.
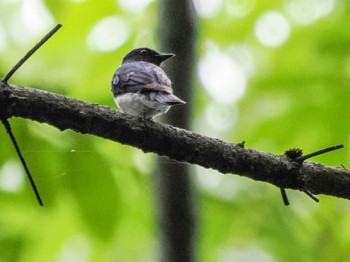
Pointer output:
x,y
140,87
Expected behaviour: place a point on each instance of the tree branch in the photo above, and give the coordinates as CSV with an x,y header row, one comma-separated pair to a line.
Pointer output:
x,y
31,52
178,144
21,158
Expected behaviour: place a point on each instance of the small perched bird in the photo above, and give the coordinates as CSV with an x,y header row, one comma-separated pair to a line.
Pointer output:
x,y
140,87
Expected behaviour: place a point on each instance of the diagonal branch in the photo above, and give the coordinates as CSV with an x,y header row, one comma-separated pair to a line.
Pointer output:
x,y
24,164
31,52
178,144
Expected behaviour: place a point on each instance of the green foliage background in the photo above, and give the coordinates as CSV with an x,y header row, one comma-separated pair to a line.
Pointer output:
x,y
99,199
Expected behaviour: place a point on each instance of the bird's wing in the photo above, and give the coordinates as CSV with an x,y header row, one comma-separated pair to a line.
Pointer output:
x,y
134,81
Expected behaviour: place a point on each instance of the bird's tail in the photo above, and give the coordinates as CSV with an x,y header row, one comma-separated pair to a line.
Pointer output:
x,y
168,99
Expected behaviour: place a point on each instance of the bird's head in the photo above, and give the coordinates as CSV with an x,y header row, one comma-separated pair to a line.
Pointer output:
x,y
147,55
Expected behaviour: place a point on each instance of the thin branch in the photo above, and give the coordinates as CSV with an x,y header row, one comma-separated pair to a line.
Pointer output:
x,y
318,152
30,53
307,192
284,196
14,142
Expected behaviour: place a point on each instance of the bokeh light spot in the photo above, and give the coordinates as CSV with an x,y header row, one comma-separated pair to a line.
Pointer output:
x,y
221,118
272,29
244,56
239,8
222,77
76,249
11,176
218,185
308,11
249,253
108,34
35,16
207,8
134,5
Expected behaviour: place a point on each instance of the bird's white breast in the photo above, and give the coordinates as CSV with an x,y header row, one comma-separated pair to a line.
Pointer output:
x,y
137,104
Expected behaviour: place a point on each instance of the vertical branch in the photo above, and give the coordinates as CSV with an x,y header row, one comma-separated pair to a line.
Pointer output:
x,y
177,34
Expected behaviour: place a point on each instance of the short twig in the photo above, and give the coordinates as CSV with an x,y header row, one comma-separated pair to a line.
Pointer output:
x,y
30,53
343,167
311,195
241,144
14,142
284,196
296,157
318,152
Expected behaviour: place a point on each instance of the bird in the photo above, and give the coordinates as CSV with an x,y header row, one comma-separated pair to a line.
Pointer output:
x,y
140,87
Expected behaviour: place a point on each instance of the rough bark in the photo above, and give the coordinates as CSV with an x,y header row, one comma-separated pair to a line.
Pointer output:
x,y
175,143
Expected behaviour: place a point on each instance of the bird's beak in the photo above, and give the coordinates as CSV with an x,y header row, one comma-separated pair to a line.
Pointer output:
x,y
165,56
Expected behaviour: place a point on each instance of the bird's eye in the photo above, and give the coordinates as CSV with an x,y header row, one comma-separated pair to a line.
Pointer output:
x,y
143,52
